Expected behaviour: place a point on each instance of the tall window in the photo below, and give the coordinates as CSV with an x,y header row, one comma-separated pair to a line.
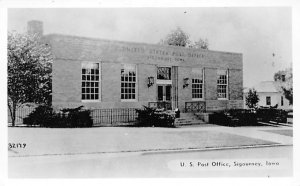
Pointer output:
x,y
268,100
281,100
164,73
197,84
90,81
128,82
222,84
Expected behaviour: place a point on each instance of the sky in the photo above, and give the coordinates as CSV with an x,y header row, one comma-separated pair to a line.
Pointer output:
x,y
263,35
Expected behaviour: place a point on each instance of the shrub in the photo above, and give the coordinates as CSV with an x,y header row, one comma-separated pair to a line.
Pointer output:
x,y
148,117
45,116
271,114
219,118
234,117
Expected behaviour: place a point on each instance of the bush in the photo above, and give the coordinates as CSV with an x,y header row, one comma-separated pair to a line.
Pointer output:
x,y
243,117
148,117
234,117
219,118
45,116
272,114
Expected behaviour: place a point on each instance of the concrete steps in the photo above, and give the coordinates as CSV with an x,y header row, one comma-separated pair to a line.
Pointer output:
x,y
188,119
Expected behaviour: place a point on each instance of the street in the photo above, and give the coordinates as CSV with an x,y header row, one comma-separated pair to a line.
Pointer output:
x,y
139,164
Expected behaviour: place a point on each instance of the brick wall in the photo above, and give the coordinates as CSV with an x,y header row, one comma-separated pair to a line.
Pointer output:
x,y
210,83
235,84
145,93
185,94
66,82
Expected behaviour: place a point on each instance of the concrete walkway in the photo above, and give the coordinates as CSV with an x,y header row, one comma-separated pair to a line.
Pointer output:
x,y
259,134
255,132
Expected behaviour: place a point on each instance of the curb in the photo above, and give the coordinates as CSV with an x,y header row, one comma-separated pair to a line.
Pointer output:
x,y
215,148
274,124
161,151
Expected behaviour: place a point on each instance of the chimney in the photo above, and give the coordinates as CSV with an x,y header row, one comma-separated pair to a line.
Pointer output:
x,y
35,27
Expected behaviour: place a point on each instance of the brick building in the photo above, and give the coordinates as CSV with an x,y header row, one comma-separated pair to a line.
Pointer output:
x,y
101,73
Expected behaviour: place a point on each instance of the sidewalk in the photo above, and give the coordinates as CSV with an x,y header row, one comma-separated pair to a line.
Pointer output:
x,y
46,141
263,133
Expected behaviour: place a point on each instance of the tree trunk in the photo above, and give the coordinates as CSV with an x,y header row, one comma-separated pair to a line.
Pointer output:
x,y
12,110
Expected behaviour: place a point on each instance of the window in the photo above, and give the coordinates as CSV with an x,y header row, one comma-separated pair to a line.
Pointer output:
x,y
164,73
268,100
197,88
90,81
128,82
281,100
197,84
222,84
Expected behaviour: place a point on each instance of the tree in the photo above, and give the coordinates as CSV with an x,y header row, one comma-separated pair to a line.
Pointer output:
x,y
285,80
200,44
252,98
29,71
179,38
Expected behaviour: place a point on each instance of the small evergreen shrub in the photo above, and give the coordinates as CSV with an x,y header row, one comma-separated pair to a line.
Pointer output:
x,y
148,117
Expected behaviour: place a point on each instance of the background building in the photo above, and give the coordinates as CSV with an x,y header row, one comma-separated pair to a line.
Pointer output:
x,y
270,94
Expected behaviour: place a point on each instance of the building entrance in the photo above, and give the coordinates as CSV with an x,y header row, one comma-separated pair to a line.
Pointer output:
x,y
164,96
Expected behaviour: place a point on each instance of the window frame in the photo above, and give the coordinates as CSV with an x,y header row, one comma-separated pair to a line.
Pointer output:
x,y
170,73
136,83
202,80
226,89
90,81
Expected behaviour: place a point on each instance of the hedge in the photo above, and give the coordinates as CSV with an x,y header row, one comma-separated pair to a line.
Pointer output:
x,y
45,116
243,117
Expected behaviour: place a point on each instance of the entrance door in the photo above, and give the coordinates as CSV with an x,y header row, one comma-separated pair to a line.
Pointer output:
x,y
164,97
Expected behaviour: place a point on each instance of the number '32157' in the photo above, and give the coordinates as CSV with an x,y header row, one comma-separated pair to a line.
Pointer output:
x,y
16,145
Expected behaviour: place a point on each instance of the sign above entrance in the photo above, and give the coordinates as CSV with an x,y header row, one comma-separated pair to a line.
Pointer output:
x,y
162,55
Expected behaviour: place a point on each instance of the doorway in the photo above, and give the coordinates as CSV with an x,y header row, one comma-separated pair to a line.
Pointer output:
x,y
164,96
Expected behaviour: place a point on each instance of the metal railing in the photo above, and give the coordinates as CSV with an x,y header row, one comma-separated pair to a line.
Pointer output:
x,y
99,116
195,106
21,113
161,104
114,115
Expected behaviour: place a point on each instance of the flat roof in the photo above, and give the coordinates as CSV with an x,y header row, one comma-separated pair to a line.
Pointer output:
x,y
139,43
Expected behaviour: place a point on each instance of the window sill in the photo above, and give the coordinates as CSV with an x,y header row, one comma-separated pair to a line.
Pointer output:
x,y
197,99
90,101
223,99
129,100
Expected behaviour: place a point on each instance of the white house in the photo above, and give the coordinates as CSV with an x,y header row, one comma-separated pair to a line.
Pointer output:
x,y
270,94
